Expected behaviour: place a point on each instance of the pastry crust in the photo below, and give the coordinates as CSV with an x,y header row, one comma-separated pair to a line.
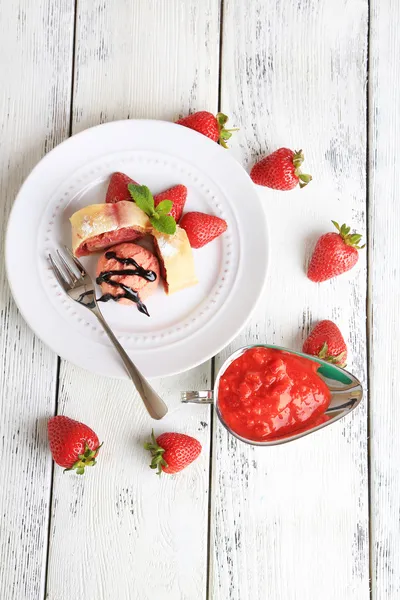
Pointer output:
x,y
176,260
100,226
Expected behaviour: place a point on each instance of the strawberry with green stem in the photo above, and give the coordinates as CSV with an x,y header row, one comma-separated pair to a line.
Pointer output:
x,y
334,254
73,445
172,452
209,125
281,170
326,342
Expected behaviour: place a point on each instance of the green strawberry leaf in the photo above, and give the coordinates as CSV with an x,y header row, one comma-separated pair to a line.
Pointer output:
x,y
142,197
226,134
323,353
336,224
222,119
355,238
164,207
164,224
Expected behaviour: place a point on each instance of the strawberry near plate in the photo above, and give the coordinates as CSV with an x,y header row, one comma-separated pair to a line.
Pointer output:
x,y
185,328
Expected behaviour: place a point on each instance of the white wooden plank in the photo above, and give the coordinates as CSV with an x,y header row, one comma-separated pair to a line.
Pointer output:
x,y
35,79
121,532
384,260
291,522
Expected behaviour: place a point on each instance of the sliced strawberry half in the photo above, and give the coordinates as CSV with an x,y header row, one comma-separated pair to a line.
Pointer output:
x,y
178,195
117,190
202,228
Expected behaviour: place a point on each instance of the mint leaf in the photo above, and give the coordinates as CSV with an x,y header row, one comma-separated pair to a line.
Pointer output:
x,y
164,207
164,224
143,198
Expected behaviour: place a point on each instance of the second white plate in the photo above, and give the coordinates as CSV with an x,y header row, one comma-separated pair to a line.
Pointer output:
x,y
184,329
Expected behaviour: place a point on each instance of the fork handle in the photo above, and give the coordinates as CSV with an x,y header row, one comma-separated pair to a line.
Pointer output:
x,y
156,407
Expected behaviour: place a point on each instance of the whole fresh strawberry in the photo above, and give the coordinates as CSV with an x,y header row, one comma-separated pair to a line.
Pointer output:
x,y
117,190
202,228
334,254
72,444
213,127
326,342
172,452
280,170
178,195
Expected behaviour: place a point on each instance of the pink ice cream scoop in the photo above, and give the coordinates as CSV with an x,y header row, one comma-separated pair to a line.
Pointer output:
x,y
128,274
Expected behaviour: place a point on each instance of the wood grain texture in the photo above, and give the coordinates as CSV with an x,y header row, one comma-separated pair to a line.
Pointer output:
x,y
35,75
384,260
291,522
121,532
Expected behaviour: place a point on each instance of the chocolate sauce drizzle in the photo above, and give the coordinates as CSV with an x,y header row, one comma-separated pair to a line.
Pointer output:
x,y
128,292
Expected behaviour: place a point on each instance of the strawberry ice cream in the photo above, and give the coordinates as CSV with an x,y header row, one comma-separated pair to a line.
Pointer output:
x,y
128,273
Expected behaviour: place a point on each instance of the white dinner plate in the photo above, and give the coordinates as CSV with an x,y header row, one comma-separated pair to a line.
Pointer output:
x,y
185,328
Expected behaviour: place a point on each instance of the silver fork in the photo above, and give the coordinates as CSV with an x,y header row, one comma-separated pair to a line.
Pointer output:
x,y
81,289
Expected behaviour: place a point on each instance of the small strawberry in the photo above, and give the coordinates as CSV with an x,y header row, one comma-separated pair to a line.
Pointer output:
x,y
202,228
178,195
326,342
280,170
118,188
72,444
213,127
172,452
334,254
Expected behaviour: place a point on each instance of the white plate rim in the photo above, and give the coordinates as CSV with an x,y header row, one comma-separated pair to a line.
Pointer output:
x,y
214,346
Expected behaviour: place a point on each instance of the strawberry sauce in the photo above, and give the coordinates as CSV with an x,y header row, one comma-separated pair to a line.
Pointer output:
x,y
266,393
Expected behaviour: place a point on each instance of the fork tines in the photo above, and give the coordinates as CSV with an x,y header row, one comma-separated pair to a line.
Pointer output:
x,y
66,274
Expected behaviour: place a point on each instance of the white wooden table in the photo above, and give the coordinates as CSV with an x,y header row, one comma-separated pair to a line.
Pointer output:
x,y
314,520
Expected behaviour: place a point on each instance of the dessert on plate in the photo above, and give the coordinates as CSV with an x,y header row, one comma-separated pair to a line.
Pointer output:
x,y
127,272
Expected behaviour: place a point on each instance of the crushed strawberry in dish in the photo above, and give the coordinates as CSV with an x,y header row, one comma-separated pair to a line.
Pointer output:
x,y
266,393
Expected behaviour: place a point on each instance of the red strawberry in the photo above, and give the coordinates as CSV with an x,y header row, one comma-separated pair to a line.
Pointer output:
x,y
72,444
334,254
326,342
202,228
280,170
213,127
118,188
178,195
172,452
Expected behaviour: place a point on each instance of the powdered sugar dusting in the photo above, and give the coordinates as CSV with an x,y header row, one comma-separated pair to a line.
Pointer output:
x,y
167,249
87,226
